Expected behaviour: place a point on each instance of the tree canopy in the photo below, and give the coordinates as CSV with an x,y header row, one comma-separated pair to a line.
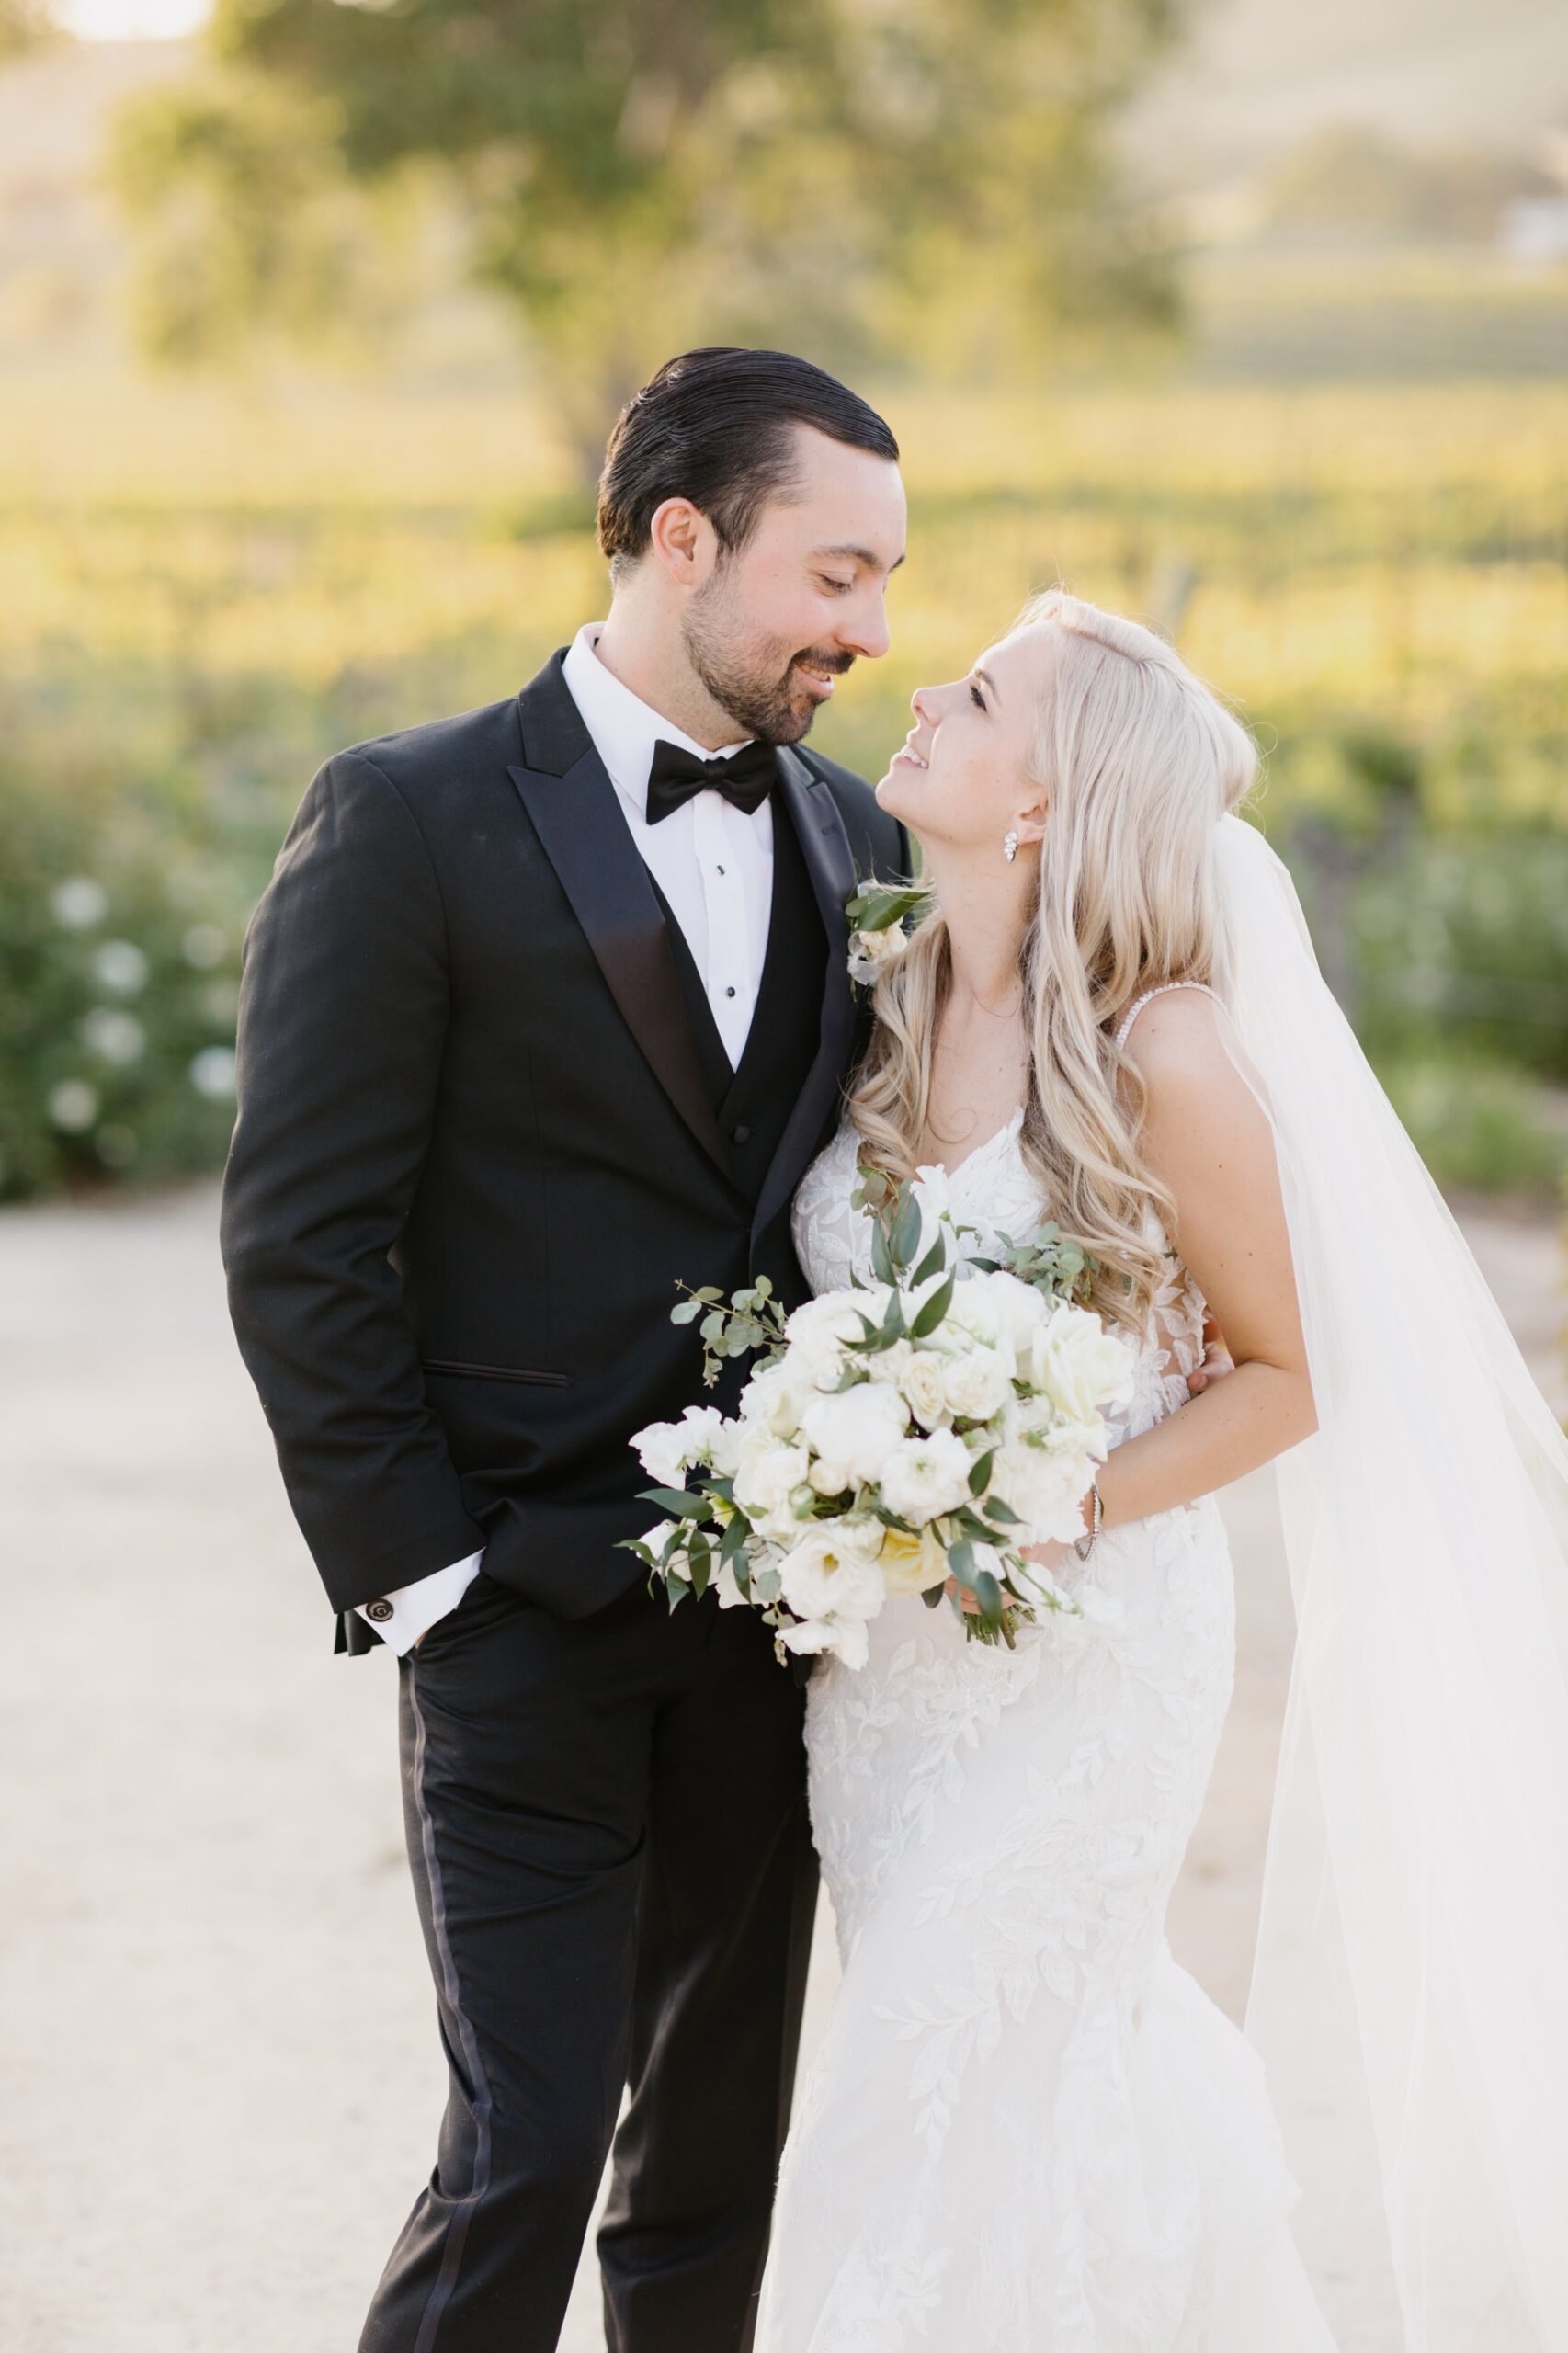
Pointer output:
x,y
853,177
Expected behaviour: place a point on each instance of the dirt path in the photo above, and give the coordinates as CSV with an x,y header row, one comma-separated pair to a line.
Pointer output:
x,y
219,2064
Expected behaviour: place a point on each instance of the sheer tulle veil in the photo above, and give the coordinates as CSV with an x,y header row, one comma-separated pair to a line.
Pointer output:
x,y
1411,1988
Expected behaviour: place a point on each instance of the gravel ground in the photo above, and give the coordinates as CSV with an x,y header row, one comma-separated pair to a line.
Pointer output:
x,y
221,2076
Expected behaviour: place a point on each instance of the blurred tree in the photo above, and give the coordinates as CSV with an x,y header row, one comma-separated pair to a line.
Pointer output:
x,y
856,177
24,25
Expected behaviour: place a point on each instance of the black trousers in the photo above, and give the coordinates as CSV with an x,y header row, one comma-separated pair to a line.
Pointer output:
x,y
608,1831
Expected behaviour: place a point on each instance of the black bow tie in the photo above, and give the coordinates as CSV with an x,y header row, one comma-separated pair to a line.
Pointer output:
x,y
745,779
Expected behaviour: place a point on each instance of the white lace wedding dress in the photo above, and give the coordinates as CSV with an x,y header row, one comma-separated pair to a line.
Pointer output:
x,y
1028,2131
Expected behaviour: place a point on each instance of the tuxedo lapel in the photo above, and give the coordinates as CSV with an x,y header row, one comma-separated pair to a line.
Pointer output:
x,y
802,800
581,827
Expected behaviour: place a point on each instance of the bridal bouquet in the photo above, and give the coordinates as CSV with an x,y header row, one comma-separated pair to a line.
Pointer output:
x,y
891,1436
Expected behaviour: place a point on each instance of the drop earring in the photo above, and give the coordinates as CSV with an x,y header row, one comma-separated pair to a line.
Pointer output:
x,y
1010,845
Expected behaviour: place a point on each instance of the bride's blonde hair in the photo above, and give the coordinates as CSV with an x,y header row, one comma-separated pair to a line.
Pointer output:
x,y
1138,761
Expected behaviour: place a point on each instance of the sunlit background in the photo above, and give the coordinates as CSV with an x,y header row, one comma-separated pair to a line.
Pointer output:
x,y
1251,320
1245,317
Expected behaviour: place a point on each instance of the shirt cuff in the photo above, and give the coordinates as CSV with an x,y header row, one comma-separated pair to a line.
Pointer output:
x,y
402,1617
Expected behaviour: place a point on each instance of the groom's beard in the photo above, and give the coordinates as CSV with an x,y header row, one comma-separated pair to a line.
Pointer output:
x,y
765,695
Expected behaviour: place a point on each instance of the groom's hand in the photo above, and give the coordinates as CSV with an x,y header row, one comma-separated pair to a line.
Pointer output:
x,y
1217,1360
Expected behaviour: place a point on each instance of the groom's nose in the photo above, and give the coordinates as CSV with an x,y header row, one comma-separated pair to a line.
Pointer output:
x,y
864,630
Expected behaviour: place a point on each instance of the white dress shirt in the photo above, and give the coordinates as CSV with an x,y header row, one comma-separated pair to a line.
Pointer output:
x,y
714,865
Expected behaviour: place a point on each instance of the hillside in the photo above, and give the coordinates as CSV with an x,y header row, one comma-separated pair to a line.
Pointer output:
x,y
1256,76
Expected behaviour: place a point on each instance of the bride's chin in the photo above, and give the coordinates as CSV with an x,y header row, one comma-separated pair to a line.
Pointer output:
x,y
890,795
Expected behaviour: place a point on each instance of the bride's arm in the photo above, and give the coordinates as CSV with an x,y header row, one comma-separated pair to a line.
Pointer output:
x,y
1205,1138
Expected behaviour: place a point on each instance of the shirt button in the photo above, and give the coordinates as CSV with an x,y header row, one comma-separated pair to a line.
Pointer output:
x,y
379,1610
718,870
741,1134
729,991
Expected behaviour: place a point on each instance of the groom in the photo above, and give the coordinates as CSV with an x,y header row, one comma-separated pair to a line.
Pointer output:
x,y
545,1009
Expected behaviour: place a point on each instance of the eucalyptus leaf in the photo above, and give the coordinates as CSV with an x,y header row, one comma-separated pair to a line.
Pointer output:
x,y
934,1310
676,1501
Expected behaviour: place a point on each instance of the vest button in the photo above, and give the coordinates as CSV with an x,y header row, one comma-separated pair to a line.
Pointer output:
x,y
741,1134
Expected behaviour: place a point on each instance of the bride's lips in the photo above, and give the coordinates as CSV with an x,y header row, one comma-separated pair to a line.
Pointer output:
x,y
906,756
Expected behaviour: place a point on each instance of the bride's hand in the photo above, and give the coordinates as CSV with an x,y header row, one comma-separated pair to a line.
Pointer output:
x,y
1048,1556
1217,1360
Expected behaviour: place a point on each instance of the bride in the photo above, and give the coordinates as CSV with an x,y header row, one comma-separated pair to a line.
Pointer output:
x,y
1028,2131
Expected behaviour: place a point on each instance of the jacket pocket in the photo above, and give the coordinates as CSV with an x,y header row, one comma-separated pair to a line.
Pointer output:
x,y
495,1373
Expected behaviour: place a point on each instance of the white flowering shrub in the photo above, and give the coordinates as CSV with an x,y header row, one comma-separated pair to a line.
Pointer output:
x,y
119,946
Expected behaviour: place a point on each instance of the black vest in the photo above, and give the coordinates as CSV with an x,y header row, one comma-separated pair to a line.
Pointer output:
x,y
753,1102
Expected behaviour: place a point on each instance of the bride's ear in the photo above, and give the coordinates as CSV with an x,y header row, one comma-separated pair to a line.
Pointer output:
x,y
1029,824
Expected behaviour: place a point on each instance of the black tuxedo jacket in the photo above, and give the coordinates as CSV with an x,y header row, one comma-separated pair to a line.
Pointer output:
x,y
483,1135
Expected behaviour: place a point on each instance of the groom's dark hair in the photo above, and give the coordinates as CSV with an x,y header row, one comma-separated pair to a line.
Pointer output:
x,y
716,426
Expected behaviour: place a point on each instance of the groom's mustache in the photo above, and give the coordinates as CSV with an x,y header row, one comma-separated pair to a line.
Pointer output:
x,y
833,664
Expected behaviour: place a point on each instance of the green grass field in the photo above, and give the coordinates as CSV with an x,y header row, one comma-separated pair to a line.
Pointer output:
x,y
203,594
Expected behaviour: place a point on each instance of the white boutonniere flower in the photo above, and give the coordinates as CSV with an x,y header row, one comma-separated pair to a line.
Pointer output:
x,y
879,917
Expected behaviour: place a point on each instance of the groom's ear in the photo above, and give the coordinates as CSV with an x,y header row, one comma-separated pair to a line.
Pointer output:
x,y
682,541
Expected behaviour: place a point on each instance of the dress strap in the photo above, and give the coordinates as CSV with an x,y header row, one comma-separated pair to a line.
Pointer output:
x,y
1136,1007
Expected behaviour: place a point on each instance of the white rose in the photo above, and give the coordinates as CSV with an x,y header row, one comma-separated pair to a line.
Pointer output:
x,y
921,1379
1004,1311
831,1571
818,1333
925,1477
871,951
1046,1490
1081,1366
776,1396
767,1471
970,1320
724,1584
912,1563
854,1432
975,1385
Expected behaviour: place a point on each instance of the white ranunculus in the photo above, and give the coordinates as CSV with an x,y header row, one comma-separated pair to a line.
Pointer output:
x,y
667,1450
767,1471
925,1476
827,1478
1083,1367
920,1377
854,1431
845,1638
833,1571
975,1385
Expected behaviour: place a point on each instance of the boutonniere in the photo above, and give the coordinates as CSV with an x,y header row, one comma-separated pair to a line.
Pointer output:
x,y
879,917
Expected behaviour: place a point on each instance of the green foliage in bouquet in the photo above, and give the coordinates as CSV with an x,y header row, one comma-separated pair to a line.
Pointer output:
x,y
916,1284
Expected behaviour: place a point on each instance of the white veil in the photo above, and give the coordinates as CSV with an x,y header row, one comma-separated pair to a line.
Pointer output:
x,y
1411,1989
